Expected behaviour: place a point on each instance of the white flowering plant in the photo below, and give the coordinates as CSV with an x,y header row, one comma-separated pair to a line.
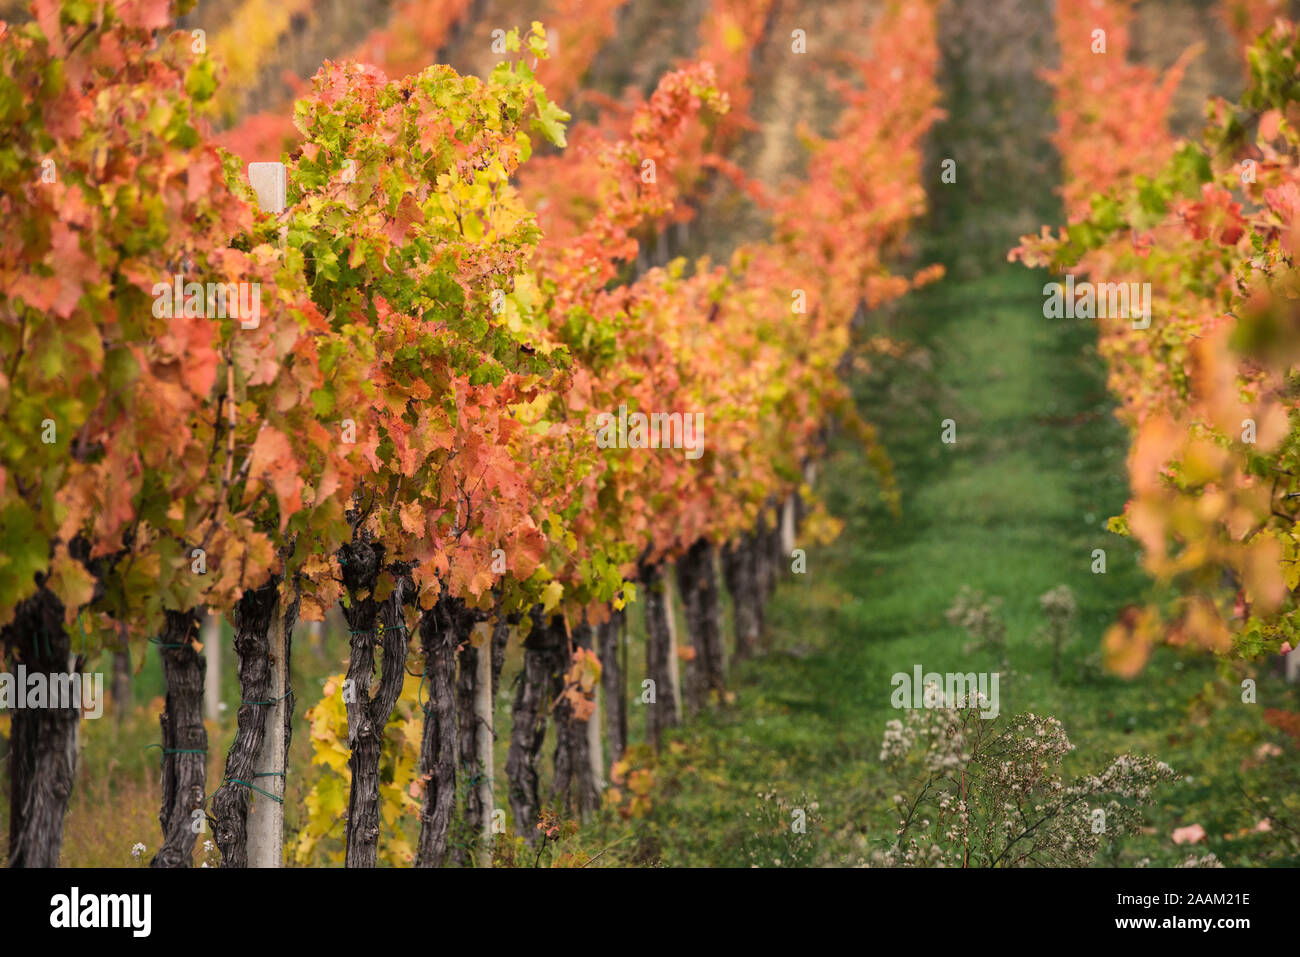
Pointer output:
x,y
981,617
1061,609
783,833
989,792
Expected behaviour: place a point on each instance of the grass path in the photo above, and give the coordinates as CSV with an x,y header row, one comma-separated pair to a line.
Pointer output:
x,y
1013,508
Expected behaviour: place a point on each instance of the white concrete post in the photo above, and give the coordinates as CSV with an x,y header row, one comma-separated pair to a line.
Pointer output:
x,y
266,822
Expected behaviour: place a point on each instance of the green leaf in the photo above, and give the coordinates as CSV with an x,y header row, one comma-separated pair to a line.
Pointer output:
x,y
550,119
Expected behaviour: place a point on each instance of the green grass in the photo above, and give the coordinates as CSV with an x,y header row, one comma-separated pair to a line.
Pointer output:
x,y
1014,507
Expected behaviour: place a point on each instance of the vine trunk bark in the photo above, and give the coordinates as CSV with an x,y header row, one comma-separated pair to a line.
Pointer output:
x,y
697,580
611,647
121,686
184,740
467,746
362,563
764,552
575,783
443,629
778,556
231,802
739,568
500,638
661,713
544,661
42,740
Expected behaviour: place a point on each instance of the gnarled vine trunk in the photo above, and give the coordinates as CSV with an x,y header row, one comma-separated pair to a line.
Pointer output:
x,y
764,573
697,580
612,650
500,638
739,568
443,628
544,662
778,556
661,713
120,689
471,811
184,740
230,803
42,740
575,775
362,563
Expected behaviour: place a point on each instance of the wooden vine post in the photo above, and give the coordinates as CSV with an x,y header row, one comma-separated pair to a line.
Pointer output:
x,y
266,822
212,648
674,663
483,736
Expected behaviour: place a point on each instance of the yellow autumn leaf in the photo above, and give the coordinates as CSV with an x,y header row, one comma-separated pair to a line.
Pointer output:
x,y
70,581
1291,562
551,596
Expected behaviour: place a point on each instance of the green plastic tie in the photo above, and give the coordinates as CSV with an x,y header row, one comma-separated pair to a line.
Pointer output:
x,y
272,701
167,751
254,787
